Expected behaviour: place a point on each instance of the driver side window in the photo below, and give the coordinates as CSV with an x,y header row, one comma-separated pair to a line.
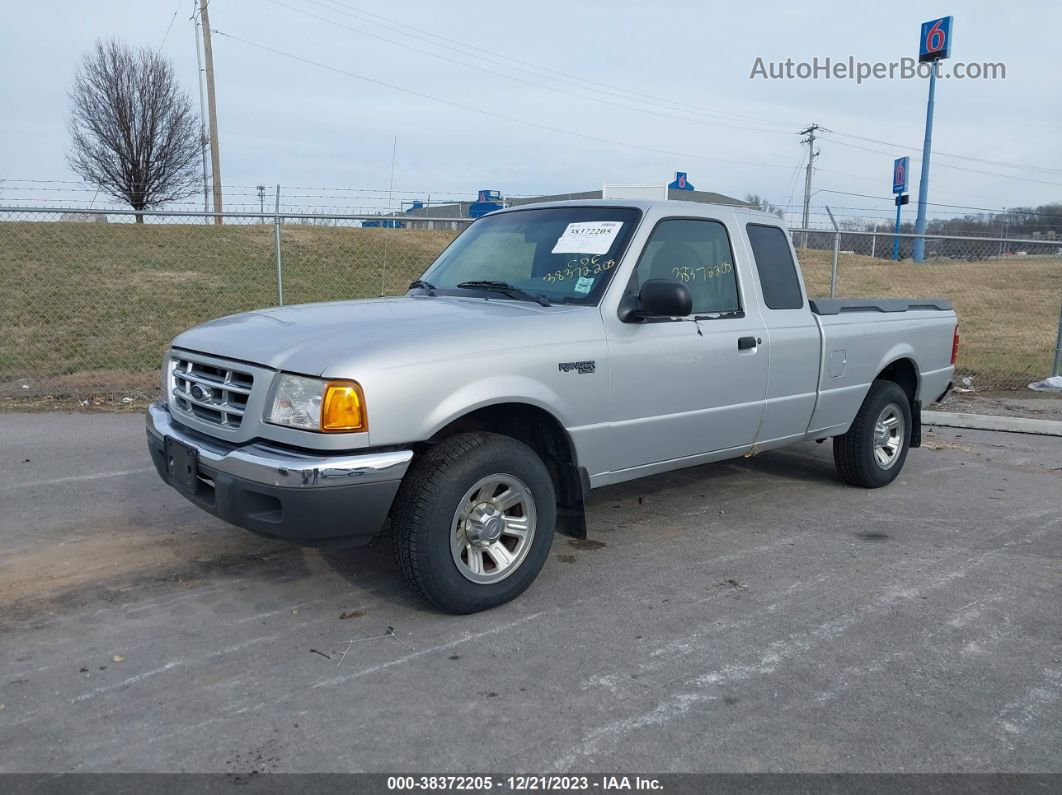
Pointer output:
x,y
697,253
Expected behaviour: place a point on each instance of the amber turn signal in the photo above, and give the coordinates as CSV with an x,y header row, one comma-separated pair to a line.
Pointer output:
x,y
343,408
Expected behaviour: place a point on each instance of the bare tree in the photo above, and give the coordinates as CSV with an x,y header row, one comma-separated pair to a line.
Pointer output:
x,y
762,204
132,130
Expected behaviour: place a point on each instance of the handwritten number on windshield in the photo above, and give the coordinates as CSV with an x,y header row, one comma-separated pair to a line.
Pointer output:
x,y
579,266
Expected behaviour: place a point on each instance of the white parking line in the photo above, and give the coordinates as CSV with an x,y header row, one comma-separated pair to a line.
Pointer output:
x,y
132,680
432,650
75,478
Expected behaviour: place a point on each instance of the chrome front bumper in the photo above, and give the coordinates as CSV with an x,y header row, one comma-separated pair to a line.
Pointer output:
x,y
310,499
271,466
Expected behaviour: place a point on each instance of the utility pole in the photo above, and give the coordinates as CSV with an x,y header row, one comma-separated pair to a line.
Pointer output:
x,y
202,114
215,149
261,200
812,154
1002,242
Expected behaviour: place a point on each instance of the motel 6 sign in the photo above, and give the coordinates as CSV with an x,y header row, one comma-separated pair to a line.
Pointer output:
x,y
900,167
935,41
680,182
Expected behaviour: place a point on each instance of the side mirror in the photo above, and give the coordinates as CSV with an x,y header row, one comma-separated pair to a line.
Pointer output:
x,y
657,298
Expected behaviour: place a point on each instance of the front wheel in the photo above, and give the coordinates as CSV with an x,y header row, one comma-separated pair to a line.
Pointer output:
x,y
872,452
473,522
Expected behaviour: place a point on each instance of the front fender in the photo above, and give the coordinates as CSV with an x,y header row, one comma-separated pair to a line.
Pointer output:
x,y
491,391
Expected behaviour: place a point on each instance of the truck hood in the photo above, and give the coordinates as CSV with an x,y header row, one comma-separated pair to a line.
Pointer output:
x,y
306,338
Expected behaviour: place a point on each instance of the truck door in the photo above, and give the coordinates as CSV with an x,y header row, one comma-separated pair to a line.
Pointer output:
x,y
683,387
795,344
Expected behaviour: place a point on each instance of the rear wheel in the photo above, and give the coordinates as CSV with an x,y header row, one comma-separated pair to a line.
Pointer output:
x,y
873,451
473,522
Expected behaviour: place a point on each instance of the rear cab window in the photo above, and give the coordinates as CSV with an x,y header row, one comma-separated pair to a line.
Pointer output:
x,y
779,280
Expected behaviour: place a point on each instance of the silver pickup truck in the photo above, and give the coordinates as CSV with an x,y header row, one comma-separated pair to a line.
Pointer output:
x,y
549,350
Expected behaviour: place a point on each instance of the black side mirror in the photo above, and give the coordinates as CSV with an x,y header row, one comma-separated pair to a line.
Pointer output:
x,y
657,298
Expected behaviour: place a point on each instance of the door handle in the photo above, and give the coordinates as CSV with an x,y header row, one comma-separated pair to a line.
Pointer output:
x,y
747,343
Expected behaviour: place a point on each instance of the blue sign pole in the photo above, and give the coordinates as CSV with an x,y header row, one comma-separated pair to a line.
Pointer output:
x,y
896,240
901,166
934,44
923,182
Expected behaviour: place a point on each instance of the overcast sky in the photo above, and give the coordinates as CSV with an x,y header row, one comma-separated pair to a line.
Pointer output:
x,y
680,69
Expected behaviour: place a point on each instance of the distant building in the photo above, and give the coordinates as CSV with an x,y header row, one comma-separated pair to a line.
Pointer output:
x,y
680,189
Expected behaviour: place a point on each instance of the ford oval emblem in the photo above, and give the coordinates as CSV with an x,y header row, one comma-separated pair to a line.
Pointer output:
x,y
199,392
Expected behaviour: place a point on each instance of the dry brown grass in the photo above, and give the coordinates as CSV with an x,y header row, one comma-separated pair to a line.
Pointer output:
x,y
1008,308
87,309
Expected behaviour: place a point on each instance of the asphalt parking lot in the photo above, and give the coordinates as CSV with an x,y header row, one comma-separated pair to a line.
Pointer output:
x,y
755,615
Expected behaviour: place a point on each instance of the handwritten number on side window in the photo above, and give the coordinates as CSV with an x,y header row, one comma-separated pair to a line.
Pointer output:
x,y
688,274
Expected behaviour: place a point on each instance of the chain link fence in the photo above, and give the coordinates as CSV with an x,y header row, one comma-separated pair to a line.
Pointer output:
x,y
1007,293
89,300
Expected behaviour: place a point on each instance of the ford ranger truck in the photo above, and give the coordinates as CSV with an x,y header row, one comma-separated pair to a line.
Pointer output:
x,y
551,349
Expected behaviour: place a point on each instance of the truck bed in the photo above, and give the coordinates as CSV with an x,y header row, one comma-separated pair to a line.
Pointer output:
x,y
860,337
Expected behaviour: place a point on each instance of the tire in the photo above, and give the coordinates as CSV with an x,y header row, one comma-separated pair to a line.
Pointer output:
x,y
871,455
454,522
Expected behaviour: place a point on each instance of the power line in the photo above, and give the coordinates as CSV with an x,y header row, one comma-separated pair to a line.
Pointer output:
x,y
946,154
951,166
169,27
953,206
862,179
493,114
508,62
33,185
336,193
478,51
793,180
285,188
373,19
478,68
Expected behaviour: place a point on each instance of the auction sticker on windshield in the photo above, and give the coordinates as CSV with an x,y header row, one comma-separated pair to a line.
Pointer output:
x,y
588,237
584,284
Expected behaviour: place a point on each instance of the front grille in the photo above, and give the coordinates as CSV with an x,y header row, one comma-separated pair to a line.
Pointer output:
x,y
210,393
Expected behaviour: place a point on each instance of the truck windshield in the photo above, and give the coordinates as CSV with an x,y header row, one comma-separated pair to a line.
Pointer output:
x,y
563,254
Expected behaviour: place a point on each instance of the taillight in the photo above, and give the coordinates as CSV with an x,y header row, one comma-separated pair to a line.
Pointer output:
x,y
955,345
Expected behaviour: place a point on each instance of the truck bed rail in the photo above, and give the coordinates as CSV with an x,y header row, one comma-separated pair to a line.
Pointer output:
x,y
835,306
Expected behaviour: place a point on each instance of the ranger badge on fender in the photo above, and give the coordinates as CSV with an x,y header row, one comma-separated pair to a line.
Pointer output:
x,y
580,367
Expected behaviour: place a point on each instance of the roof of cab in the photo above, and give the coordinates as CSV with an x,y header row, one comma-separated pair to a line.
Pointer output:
x,y
667,207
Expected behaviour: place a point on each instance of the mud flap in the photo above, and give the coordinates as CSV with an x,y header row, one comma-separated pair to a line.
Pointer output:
x,y
571,515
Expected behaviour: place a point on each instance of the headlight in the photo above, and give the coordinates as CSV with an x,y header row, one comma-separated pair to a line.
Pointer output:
x,y
315,405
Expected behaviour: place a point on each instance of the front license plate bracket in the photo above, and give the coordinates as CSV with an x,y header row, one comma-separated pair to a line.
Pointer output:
x,y
181,462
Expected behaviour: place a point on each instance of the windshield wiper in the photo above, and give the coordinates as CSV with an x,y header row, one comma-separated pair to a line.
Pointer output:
x,y
427,287
510,290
